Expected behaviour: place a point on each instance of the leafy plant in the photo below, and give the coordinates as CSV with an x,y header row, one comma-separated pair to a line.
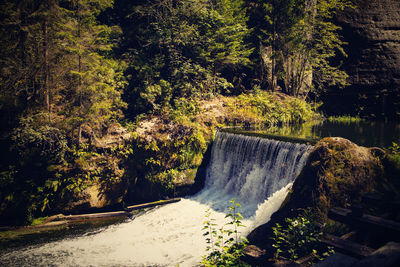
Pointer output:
x,y
225,245
395,148
263,108
345,119
299,238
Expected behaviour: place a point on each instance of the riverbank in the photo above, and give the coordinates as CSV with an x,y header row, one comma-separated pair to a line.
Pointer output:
x,y
59,226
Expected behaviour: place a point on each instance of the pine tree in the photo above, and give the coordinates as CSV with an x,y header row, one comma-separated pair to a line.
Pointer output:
x,y
93,79
224,36
178,49
303,39
280,17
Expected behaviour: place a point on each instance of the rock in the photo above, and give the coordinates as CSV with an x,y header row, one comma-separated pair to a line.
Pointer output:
x,y
115,135
337,259
254,255
97,196
337,173
386,256
372,31
101,195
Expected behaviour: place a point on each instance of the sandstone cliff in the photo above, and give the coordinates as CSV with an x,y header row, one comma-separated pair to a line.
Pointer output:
x,y
372,31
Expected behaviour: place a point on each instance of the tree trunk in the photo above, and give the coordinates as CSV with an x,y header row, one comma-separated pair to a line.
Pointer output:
x,y
79,78
46,66
22,48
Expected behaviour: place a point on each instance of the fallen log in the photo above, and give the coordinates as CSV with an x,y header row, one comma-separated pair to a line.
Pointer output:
x,y
347,247
61,217
94,215
365,221
152,204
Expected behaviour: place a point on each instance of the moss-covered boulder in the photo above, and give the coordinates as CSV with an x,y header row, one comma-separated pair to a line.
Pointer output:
x,y
337,173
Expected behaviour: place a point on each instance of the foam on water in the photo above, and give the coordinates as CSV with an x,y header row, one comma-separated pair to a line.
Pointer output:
x,y
257,172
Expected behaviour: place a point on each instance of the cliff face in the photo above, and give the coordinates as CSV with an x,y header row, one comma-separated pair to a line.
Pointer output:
x,y
372,31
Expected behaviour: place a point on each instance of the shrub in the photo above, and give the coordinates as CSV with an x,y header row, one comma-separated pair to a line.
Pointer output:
x,y
300,237
225,246
263,108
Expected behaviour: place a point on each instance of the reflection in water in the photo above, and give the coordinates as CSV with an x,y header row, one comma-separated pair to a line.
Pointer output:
x,y
365,133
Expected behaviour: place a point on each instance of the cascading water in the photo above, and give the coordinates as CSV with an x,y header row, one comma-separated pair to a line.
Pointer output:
x,y
257,172
249,169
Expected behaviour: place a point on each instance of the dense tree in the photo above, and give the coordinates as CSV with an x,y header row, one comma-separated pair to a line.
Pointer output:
x,y
93,78
225,31
300,40
181,49
280,18
66,65
57,77
56,58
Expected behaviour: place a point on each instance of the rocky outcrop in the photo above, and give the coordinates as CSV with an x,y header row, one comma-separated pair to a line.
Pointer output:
x,y
372,31
115,135
101,171
100,195
337,173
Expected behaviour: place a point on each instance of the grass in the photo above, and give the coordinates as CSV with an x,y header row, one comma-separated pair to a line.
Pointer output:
x,y
345,119
38,221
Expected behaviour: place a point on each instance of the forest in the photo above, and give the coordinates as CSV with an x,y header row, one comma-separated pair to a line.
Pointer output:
x,y
108,104
74,71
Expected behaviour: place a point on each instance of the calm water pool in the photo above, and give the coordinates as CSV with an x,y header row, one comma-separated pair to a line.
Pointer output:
x,y
365,133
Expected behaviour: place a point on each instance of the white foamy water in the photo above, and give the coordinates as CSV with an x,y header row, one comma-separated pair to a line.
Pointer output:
x,y
257,172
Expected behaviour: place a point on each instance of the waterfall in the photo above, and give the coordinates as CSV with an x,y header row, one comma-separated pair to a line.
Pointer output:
x,y
249,169
257,172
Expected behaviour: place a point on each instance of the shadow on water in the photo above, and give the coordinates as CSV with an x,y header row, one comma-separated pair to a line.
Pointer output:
x,y
24,237
364,133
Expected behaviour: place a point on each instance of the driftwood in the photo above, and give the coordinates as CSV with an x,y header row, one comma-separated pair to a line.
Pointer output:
x,y
356,219
60,217
347,247
153,204
94,216
365,221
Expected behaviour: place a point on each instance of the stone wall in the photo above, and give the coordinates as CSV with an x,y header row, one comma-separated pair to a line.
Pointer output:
x,y
372,30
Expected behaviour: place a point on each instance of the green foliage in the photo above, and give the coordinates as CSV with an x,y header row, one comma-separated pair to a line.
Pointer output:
x,y
185,45
7,182
300,237
168,154
225,245
391,183
264,108
38,221
394,148
85,167
34,138
302,39
184,109
345,119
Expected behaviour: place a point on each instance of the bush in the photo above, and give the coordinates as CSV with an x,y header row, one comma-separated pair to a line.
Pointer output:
x,y
36,141
263,108
225,246
300,237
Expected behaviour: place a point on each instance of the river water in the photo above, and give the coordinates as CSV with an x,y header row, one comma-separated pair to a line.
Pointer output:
x,y
363,132
256,172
